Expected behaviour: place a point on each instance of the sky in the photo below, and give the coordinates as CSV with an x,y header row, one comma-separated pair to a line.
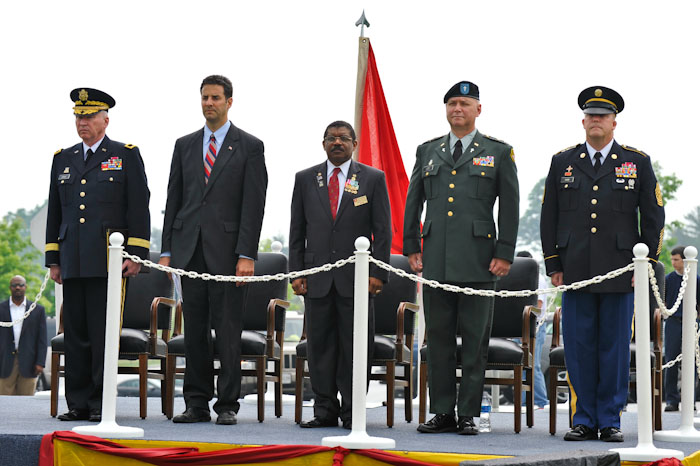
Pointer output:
x,y
294,64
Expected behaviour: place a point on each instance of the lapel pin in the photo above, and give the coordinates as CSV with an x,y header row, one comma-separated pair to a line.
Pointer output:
x,y
76,151
230,148
476,144
104,150
471,150
582,155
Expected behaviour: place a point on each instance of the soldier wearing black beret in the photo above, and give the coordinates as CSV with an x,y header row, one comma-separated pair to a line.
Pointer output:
x,y
98,186
601,198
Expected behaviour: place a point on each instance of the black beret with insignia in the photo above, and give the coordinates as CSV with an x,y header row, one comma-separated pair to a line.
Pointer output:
x,y
463,89
88,101
599,100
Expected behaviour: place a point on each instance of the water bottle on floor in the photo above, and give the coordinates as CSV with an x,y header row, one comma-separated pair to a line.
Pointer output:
x,y
485,416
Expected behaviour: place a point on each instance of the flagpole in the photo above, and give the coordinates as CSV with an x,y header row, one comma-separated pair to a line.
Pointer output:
x,y
362,53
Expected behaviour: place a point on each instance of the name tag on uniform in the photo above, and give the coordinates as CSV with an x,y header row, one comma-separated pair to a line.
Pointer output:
x,y
567,179
358,201
64,176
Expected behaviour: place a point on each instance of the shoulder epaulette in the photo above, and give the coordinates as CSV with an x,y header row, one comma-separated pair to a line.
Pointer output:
x,y
129,146
634,150
494,139
564,150
433,140
58,152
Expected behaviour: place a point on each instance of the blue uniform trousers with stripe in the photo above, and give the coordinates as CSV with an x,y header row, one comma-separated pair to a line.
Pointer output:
x,y
597,328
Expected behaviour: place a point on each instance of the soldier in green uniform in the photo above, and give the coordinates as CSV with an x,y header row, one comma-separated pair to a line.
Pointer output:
x,y
459,176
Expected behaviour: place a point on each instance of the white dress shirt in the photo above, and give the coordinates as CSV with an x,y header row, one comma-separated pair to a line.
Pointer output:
x,y
15,313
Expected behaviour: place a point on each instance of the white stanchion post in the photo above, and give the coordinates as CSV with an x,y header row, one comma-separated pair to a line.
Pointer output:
x,y
686,432
645,449
358,437
109,428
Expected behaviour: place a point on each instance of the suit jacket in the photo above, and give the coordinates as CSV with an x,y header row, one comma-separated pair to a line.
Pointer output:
x,y
459,234
89,201
32,341
315,239
227,212
591,221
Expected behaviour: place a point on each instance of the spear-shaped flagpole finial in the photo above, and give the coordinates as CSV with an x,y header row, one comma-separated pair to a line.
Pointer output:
x,y
362,22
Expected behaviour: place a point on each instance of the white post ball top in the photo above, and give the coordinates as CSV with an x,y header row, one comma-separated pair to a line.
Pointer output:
x,y
362,244
690,252
116,239
640,250
276,246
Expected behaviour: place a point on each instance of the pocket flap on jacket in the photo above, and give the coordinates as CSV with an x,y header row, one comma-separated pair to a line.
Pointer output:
x,y
426,228
230,227
562,239
484,229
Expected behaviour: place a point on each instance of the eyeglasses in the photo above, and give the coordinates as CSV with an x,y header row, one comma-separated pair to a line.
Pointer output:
x,y
17,285
331,139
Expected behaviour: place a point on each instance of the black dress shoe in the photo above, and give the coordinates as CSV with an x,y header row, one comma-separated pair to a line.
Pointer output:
x,y
319,422
466,426
192,415
671,407
95,415
347,424
611,434
74,415
581,432
227,418
438,424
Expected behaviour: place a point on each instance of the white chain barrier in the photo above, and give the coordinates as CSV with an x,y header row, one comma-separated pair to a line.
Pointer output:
x,y
33,305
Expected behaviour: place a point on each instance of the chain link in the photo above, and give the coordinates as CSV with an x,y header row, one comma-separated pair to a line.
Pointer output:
x,y
32,306
657,294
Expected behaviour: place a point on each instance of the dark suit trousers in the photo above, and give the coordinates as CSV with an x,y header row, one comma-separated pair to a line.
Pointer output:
x,y
84,320
329,328
219,306
474,314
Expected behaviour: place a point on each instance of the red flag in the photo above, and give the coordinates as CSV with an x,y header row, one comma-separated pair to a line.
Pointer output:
x,y
378,147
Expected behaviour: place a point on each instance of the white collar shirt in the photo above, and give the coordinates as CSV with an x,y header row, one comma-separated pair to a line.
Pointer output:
x,y
342,176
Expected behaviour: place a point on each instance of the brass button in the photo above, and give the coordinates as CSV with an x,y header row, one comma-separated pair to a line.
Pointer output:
x,y
583,156
614,156
594,201
489,235
111,179
427,173
594,229
63,181
482,173
450,199
82,220
566,186
452,186
83,181
594,215
454,172
450,214
595,187
627,188
82,206
82,193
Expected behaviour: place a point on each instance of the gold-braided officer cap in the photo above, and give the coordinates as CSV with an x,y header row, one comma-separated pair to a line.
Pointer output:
x,y
600,100
88,101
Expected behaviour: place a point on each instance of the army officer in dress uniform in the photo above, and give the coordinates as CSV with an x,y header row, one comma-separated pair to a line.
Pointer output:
x,y
601,198
98,186
460,175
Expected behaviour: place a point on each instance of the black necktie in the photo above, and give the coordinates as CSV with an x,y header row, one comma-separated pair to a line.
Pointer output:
x,y
596,165
87,156
458,151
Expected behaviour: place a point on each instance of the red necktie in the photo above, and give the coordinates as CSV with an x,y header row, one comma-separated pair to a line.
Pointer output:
x,y
210,158
333,191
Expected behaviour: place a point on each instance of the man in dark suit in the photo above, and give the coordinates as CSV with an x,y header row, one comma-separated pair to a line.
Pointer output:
x,y
600,199
213,216
22,346
97,187
459,176
333,204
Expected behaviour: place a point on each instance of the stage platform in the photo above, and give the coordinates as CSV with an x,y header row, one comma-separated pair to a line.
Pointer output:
x,y
26,419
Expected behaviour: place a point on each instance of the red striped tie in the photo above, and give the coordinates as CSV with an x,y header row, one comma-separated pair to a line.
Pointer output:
x,y
333,191
210,158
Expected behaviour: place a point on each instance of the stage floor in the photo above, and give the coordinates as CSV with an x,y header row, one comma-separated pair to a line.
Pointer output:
x,y
29,416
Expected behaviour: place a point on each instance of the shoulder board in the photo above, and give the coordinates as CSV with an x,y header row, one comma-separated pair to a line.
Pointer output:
x,y
564,150
129,146
634,150
58,152
494,139
434,139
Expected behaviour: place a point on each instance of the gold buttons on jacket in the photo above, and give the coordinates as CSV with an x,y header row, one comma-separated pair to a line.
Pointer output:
x,y
483,173
489,235
82,206
111,179
594,215
595,187
594,229
583,155
83,181
82,220
452,186
450,214
82,193
454,172
594,201
450,199
614,156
